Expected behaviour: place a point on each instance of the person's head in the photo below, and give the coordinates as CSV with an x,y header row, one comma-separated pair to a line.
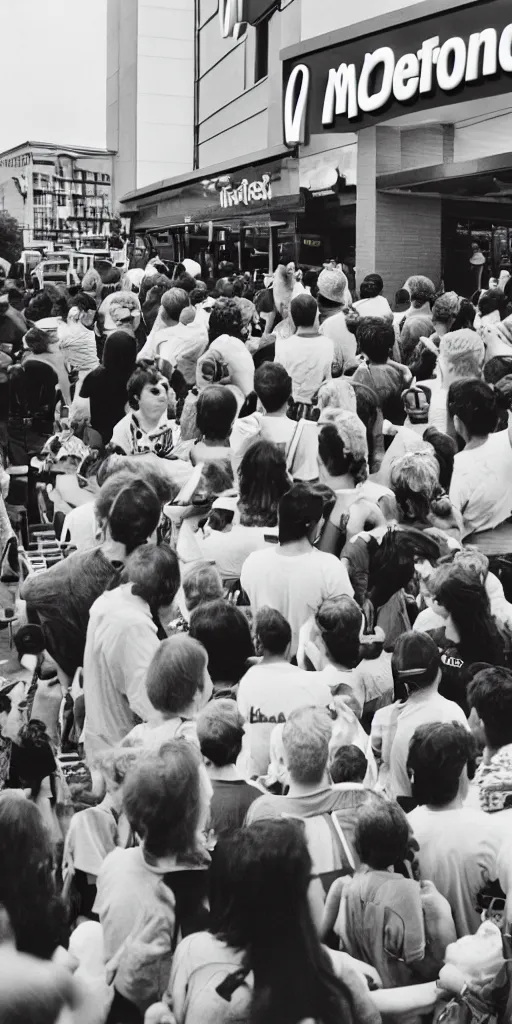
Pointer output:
x,y
402,300
300,512
82,309
37,341
173,302
124,311
216,410
226,318
148,393
441,761
304,311
39,307
444,311
492,301
445,450
177,682
371,286
120,354
332,287
474,408
421,290
224,631
473,560
166,801
381,834
154,573
415,479
133,514
460,596
342,446
416,663
375,338
461,355
272,633
348,764
273,386
263,903
490,696
220,730
201,584
27,889
306,736
339,621
91,283
198,294
338,393
113,764
262,481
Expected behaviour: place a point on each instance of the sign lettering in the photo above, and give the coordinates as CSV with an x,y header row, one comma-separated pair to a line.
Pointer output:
x,y
16,161
246,192
370,81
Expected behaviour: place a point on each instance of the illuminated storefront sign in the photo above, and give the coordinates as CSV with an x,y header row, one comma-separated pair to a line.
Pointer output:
x,y
424,64
246,192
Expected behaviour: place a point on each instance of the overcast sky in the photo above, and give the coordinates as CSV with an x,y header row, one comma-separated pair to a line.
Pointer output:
x,y
53,71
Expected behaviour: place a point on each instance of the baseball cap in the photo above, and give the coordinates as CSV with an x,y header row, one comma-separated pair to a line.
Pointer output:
x,y
416,659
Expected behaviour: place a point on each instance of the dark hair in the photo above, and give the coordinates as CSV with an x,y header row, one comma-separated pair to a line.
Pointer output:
x,y
303,310
216,410
83,302
445,450
154,573
438,753
186,282
39,307
226,318
32,758
381,834
134,514
299,510
402,297
176,673
138,380
474,402
423,362
198,294
261,874
220,730
224,630
273,386
272,631
426,663
497,368
348,764
375,338
339,620
465,598
335,458
371,286
491,300
161,799
36,340
465,317
262,481
490,694
27,887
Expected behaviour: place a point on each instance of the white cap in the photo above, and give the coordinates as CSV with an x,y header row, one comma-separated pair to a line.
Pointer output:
x,y
192,267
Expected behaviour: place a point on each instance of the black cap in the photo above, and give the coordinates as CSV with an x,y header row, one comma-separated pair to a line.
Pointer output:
x,y
416,658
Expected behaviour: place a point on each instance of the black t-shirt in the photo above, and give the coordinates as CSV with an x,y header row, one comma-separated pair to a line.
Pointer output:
x,y
230,802
107,401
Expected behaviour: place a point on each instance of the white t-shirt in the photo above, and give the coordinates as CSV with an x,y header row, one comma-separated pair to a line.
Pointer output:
x,y
294,585
266,696
238,359
230,549
481,484
308,360
378,305
458,853
80,527
370,683
421,710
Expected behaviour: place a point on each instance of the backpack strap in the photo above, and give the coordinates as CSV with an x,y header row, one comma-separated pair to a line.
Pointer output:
x,y
293,445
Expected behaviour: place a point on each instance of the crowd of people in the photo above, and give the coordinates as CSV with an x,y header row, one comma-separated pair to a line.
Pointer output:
x,y
256,726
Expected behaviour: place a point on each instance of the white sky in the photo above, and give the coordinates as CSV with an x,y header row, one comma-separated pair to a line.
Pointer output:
x,y
53,71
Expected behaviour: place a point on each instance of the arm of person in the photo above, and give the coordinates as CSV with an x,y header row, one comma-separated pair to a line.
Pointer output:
x,y
409,999
148,350
135,653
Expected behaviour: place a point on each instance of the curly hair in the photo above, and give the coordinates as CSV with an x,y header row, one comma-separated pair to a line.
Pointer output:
x,y
226,318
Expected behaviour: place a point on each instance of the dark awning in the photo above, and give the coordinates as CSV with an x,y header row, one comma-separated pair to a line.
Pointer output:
x,y
487,180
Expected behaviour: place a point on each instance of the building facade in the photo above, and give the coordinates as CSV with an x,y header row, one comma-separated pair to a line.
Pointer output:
x,y
381,129
58,194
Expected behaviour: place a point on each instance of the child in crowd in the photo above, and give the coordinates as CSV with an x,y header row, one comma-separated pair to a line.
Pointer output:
x,y
220,729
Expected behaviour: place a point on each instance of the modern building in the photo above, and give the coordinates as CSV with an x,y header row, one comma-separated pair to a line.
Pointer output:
x,y
377,134
58,194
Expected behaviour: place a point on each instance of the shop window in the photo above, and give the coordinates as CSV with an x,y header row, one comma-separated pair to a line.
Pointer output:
x,y
261,50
